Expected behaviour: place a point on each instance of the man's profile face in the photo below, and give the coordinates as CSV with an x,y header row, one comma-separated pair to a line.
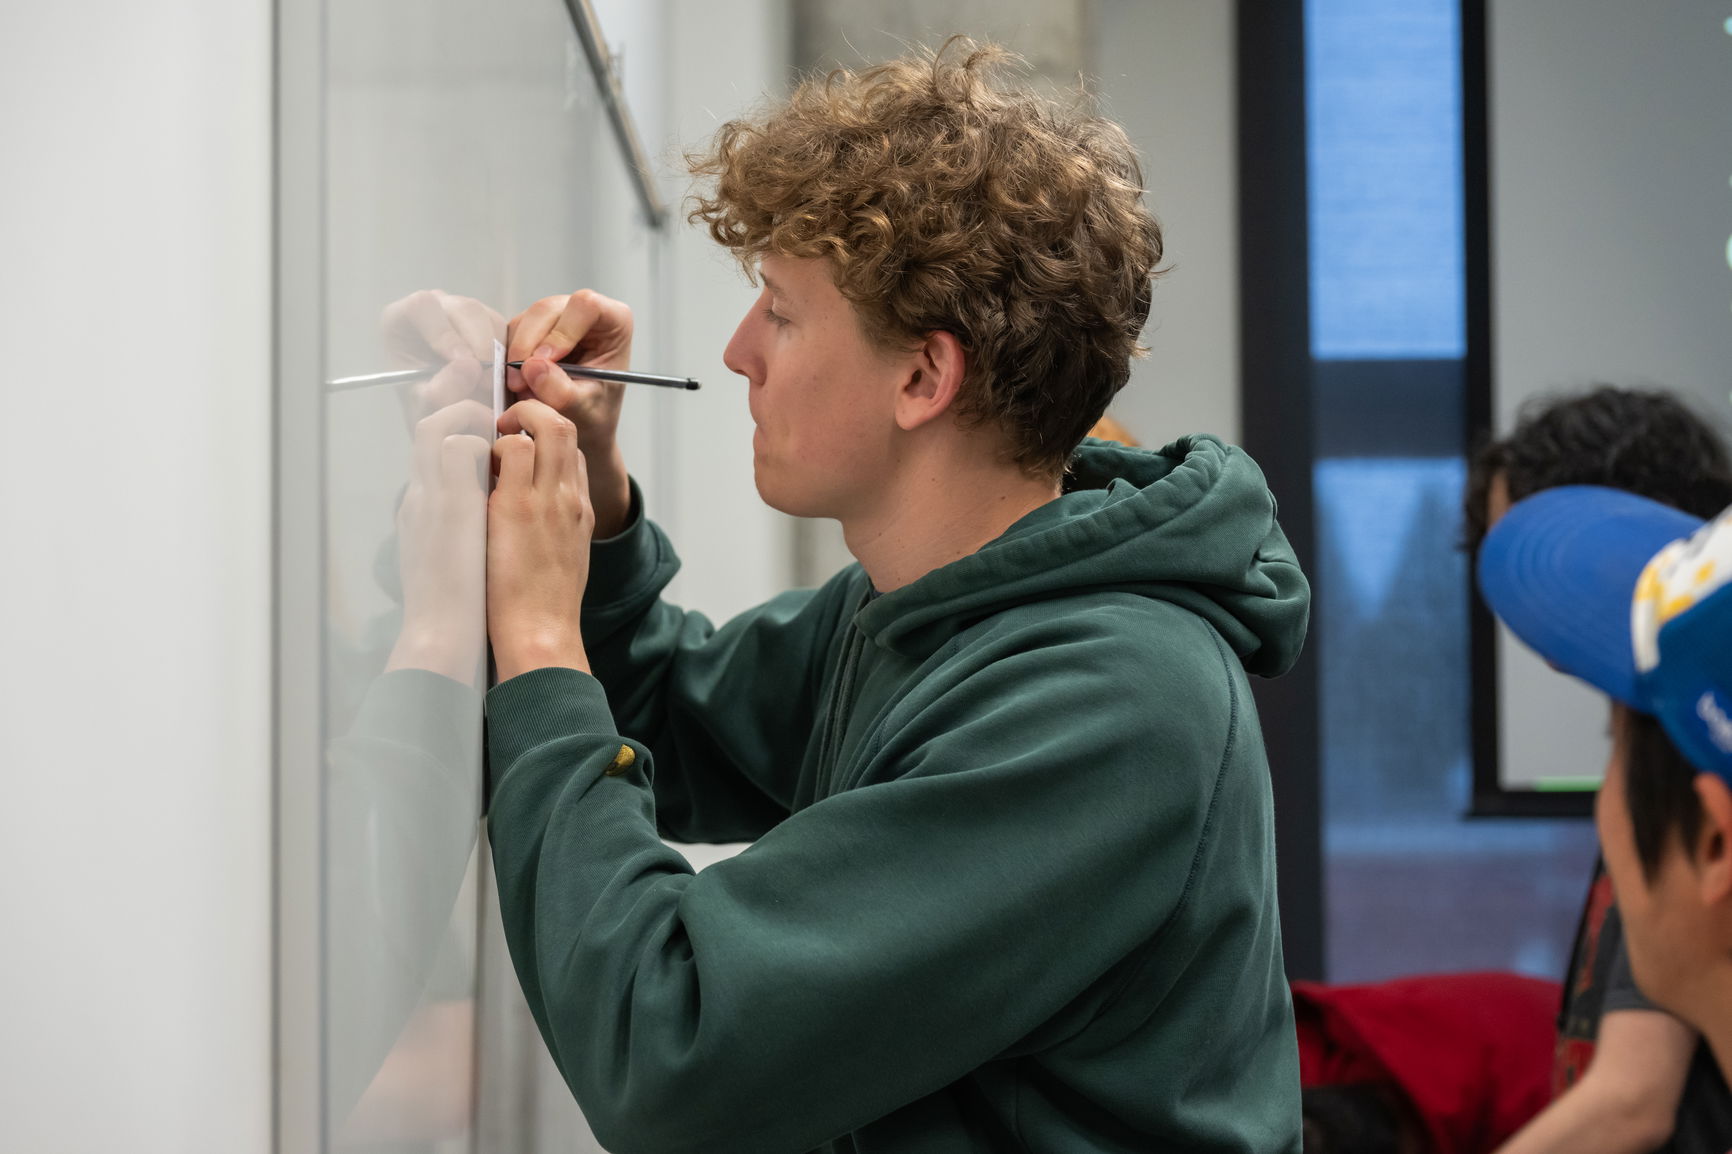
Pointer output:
x,y
822,396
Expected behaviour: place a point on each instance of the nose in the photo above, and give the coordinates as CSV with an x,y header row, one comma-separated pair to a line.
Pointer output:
x,y
741,355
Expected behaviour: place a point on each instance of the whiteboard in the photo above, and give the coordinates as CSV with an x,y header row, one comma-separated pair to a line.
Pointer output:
x,y
442,166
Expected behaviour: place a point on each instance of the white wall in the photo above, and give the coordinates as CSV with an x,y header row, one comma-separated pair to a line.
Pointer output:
x,y
135,576
1165,71
722,61
1049,34
1611,146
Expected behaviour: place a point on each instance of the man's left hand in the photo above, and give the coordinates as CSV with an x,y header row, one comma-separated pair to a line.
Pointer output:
x,y
539,525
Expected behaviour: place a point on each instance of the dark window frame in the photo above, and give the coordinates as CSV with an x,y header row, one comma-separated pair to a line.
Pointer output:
x,y
1277,429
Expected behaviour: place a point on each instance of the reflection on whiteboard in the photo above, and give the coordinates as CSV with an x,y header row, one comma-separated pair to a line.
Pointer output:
x,y
1611,151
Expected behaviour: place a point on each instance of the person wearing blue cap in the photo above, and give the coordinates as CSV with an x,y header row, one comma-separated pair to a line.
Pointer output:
x,y
1627,1077
1635,598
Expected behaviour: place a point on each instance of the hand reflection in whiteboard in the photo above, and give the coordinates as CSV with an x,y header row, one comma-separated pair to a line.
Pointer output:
x,y
403,796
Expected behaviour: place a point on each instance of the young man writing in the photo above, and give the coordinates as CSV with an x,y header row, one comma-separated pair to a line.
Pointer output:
x,y
1636,599
1012,885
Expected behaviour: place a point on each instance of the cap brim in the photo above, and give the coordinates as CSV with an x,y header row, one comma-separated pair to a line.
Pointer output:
x,y
1561,568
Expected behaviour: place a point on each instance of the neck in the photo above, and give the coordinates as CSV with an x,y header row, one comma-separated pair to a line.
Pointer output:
x,y
938,508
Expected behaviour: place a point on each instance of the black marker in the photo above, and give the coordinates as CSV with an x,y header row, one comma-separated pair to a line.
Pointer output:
x,y
343,384
620,376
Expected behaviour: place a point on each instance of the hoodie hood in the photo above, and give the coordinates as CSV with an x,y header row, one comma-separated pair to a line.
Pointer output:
x,y
1192,524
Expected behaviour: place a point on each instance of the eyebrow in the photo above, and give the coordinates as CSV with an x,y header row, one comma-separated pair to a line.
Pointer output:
x,y
765,277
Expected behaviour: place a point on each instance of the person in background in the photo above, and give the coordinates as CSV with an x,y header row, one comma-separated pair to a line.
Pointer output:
x,y
1635,598
1449,1063
1627,1076
1012,882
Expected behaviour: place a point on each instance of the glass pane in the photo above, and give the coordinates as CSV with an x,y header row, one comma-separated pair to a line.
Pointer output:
x,y
1383,123
1413,887
469,170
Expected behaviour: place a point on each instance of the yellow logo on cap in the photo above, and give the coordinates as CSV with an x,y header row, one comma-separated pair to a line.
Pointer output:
x,y
1676,580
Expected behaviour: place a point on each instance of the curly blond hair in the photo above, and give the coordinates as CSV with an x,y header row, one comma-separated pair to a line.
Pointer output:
x,y
949,200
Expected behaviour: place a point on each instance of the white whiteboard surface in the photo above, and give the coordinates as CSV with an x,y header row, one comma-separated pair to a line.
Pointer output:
x,y
459,164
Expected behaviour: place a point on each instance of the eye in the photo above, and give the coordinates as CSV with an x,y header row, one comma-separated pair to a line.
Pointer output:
x,y
774,317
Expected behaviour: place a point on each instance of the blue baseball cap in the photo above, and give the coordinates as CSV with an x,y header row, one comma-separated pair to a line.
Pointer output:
x,y
1629,595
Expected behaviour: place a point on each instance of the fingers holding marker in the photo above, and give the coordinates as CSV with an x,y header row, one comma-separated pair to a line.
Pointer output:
x,y
526,338
528,332
581,316
548,383
554,327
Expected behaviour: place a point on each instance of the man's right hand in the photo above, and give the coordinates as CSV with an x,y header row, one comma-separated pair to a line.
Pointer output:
x,y
584,328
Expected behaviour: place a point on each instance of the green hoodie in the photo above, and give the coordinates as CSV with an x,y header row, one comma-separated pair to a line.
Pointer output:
x,y
1013,880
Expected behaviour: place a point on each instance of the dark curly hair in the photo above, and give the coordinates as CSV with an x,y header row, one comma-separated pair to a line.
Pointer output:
x,y
1646,442
948,201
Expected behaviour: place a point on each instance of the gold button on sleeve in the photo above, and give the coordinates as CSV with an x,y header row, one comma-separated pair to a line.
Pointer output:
x,y
622,761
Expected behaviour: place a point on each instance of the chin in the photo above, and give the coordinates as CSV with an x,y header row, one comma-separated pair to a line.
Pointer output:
x,y
785,496
776,500
765,484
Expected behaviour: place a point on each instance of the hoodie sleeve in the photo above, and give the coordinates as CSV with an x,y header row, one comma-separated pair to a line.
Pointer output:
x,y
1035,818
725,712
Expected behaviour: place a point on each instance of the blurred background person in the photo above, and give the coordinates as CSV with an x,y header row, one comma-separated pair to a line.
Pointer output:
x,y
1635,598
1628,1076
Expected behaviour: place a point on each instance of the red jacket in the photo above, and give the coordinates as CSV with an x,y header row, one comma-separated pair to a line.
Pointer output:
x,y
1472,1053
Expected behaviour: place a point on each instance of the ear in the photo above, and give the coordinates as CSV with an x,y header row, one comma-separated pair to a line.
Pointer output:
x,y
933,381
1713,848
